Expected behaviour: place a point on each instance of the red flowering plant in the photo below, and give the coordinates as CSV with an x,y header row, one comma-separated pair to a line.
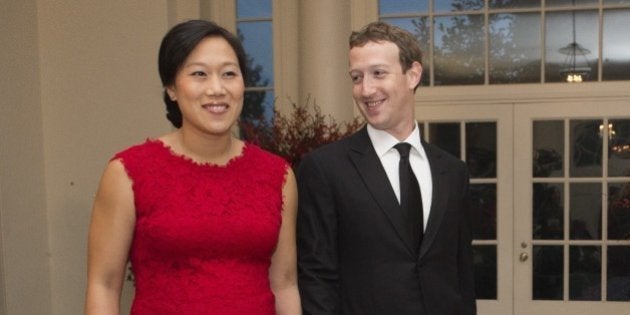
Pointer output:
x,y
296,133
619,213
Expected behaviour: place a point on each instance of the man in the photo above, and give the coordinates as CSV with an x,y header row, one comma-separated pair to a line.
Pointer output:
x,y
361,250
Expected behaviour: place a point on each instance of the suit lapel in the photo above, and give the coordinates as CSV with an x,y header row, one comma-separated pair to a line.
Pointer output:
x,y
439,198
373,174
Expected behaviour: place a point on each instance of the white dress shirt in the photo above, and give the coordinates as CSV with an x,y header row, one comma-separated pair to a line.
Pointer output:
x,y
384,144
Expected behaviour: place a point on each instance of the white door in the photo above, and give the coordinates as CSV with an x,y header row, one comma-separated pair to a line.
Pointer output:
x,y
483,138
572,208
551,199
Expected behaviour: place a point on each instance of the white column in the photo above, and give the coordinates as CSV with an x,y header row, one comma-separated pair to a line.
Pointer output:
x,y
324,27
182,10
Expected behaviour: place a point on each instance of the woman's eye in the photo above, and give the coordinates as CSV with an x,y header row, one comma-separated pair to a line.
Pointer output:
x,y
230,74
198,74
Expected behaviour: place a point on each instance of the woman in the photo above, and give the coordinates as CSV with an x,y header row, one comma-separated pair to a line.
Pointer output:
x,y
207,221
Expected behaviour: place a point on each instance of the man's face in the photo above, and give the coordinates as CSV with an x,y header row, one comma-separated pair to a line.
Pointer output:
x,y
382,92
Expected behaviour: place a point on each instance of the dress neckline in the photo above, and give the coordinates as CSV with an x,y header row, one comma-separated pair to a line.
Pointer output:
x,y
189,160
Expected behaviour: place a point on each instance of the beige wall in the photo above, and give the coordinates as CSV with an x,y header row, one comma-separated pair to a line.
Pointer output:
x,y
79,82
100,92
24,277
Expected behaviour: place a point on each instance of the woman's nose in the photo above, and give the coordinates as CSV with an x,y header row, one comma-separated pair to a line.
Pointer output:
x,y
214,86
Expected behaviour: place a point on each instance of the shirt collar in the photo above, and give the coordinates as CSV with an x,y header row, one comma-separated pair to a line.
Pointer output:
x,y
383,141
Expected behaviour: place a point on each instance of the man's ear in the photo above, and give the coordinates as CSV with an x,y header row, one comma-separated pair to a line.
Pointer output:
x,y
414,74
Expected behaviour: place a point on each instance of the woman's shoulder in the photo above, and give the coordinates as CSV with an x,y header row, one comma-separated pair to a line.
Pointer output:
x,y
259,155
144,155
149,146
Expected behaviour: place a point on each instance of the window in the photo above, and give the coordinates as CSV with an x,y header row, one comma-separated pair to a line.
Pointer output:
x,y
477,42
581,203
477,145
254,27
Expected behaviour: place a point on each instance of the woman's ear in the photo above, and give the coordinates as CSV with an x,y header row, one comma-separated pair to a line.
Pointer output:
x,y
171,93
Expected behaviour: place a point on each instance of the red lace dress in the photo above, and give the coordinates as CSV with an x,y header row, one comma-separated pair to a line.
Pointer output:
x,y
204,233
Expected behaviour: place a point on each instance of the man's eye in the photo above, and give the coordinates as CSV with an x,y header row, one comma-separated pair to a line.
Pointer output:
x,y
379,73
355,78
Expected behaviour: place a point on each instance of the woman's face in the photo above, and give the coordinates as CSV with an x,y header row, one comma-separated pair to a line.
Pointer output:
x,y
209,88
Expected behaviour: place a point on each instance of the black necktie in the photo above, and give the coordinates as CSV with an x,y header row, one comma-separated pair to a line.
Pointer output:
x,y
410,197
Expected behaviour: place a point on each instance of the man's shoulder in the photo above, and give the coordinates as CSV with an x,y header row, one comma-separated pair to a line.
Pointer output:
x,y
332,154
433,151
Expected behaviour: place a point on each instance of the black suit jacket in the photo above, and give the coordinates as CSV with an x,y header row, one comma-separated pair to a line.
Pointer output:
x,y
353,255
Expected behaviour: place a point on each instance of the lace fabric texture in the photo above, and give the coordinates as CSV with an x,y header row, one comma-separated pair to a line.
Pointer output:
x,y
204,233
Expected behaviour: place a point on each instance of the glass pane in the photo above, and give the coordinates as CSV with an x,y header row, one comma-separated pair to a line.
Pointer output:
x,y
459,50
616,45
419,27
567,53
548,272
446,136
457,5
423,134
618,278
485,267
402,6
514,48
585,273
257,106
484,209
619,147
548,148
619,211
257,39
586,148
559,3
585,211
548,212
494,4
253,8
481,149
